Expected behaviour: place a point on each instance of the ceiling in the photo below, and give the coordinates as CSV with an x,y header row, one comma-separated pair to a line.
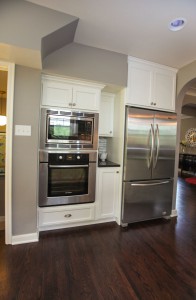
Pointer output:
x,y
134,27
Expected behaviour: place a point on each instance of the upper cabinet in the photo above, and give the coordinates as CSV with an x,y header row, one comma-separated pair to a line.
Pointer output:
x,y
65,93
151,85
106,116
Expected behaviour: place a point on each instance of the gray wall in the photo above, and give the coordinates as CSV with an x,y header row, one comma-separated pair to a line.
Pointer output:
x,y
80,61
23,24
25,150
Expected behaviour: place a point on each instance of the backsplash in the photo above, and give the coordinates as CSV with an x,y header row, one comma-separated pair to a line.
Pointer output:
x,y
102,145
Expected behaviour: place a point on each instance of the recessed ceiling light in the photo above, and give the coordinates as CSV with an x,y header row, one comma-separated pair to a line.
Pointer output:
x,y
177,24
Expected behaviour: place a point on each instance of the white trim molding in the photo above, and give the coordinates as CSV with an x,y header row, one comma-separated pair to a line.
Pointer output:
x,y
25,238
174,213
10,68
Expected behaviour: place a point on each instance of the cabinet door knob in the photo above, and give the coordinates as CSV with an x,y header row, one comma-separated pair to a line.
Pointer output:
x,y
152,103
110,131
70,104
74,104
117,172
67,215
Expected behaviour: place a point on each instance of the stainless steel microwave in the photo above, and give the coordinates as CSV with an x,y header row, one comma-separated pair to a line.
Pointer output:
x,y
68,129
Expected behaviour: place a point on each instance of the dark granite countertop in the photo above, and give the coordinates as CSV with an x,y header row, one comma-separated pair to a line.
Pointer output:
x,y
107,163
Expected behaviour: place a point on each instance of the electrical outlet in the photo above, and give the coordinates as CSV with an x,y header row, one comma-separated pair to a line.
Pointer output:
x,y
24,130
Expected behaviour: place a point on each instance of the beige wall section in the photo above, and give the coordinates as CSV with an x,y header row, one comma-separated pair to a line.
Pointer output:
x,y
79,61
185,125
25,150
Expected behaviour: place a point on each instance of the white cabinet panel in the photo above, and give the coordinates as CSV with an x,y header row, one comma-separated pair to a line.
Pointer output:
x,y
140,80
164,89
86,98
56,94
107,196
106,115
151,85
59,92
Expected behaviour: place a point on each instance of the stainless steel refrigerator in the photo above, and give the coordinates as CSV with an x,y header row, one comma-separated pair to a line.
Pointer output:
x,y
148,171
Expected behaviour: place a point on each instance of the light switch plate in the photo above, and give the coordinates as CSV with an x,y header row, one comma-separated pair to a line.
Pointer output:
x,y
24,130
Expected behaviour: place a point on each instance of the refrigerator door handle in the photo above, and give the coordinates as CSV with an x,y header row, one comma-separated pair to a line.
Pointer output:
x,y
149,162
157,146
150,184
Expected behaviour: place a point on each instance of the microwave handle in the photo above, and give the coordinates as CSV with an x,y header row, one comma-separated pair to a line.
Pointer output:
x,y
68,166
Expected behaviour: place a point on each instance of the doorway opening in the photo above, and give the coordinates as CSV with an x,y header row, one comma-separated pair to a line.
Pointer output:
x,y
3,121
187,150
10,69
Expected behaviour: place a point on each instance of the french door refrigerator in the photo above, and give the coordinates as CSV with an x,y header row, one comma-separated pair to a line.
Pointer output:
x,y
148,169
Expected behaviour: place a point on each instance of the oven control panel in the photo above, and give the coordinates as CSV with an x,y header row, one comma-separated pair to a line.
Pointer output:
x,y
68,158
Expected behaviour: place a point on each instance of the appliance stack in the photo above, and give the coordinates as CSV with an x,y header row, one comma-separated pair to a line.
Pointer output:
x,y
148,170
67,157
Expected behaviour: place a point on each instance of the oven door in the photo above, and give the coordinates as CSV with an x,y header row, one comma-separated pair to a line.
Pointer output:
x,y
66,184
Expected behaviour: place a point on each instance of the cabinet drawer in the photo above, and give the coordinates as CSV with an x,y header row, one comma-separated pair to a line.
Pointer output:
x,y
57,216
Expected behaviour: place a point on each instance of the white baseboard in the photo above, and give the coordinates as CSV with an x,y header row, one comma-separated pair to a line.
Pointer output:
x,y
2,218
174,213
25,238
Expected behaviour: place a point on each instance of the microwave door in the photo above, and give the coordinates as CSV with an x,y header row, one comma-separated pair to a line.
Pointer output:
x,y
74,129
58,129
68,129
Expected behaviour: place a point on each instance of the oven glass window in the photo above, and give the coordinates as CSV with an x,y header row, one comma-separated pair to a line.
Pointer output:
x,y
62,128
67,181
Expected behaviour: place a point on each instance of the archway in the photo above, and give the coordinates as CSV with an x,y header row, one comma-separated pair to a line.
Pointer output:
x,y
179,103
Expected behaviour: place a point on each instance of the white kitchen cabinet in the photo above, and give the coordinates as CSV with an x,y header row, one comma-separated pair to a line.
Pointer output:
x,y
106,115
55,217
65,93
107,193
151,85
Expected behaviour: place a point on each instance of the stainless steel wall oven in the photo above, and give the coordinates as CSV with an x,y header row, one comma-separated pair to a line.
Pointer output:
x,y
66,178
62,129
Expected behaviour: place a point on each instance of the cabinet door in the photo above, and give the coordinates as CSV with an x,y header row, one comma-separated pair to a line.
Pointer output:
x,y
164,85
86,98
151,85
106,115
140,80
107,193
56,93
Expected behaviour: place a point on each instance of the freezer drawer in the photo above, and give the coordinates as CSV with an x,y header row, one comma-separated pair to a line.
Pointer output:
x,y
145,200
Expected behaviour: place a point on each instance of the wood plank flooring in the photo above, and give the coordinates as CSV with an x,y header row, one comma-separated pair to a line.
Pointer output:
x,y
148,260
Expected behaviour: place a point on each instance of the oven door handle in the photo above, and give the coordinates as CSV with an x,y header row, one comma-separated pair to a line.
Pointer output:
x,y
68,166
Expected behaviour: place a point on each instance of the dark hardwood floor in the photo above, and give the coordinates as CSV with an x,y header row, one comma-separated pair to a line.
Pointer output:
x,y
148,260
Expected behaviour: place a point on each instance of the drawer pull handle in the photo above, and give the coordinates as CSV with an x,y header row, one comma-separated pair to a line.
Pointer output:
x,y
67,215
